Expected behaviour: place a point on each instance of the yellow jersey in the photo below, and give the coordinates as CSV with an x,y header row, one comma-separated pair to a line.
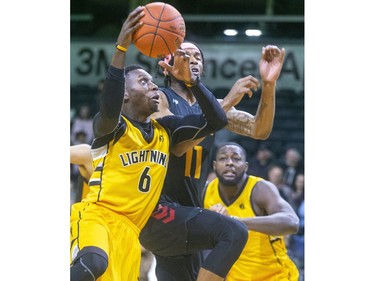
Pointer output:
x,y
264,257
129,171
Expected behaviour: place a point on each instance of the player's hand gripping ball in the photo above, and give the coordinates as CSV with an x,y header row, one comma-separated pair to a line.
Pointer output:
x,y
162,32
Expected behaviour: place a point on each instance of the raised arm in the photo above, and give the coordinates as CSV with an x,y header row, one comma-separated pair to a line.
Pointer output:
x,y
106,120
260,125
275,216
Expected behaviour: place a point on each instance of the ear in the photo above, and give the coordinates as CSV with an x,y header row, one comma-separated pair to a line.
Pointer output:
x,y
214,165
246,166
126,97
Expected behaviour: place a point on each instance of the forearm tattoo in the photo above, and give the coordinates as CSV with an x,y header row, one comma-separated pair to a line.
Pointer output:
x,y
240,122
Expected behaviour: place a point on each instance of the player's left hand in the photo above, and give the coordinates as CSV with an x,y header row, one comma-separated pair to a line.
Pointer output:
x,y
271,63
180,68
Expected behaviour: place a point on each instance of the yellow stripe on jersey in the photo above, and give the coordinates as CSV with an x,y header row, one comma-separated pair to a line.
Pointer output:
x,y
85,189
264,257
129,173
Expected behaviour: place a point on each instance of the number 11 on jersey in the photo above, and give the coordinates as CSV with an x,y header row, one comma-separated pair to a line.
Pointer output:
x,y
197,152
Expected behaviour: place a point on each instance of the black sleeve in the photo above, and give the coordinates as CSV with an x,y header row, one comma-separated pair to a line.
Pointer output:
x,y
211,108
106,120
194,126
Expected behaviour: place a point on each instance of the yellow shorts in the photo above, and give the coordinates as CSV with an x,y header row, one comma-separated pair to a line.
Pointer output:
x,y
92,225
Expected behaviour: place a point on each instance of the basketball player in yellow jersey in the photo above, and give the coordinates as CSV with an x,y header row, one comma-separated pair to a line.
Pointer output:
x,y
80,154
257,203
130,155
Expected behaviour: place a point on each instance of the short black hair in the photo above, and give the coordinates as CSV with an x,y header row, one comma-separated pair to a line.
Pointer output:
x,y
231,143
132,67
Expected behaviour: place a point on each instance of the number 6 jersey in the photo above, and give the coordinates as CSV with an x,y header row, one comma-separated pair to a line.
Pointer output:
x,y
129,169
130,164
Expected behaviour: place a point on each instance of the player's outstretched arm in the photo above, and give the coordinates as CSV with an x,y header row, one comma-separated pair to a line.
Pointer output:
x,y
260,125
106,120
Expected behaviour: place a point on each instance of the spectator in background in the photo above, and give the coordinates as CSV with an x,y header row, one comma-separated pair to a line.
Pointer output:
x,y
275,175
80,137
259,164
292,165
82,122
298,191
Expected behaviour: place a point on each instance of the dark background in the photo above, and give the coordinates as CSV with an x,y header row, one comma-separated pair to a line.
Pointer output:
x,y
203,18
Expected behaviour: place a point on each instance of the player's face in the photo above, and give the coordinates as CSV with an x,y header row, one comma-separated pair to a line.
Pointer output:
x,y
230,165
196,63
142,91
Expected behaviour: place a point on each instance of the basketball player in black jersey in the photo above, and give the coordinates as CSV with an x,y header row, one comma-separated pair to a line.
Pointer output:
x,y
179,228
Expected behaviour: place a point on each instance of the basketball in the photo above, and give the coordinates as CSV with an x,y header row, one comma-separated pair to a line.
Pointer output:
x,y
162,32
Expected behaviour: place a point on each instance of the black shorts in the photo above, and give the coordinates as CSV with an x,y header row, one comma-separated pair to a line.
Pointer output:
x,y
177,235
166,232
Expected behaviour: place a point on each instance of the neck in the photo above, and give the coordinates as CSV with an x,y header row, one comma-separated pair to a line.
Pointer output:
x,y
134,114
181,90
230,192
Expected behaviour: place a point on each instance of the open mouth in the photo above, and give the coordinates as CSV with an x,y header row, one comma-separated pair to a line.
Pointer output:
x,y
156,98
195,71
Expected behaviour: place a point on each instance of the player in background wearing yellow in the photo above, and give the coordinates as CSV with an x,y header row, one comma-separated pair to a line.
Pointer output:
x,y
130,155
258,204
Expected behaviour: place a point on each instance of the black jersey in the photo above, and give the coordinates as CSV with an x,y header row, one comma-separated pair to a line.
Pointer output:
x,y
187,175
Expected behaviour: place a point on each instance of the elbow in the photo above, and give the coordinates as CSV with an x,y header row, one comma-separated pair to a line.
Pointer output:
x,y
294,225
220,122
262,133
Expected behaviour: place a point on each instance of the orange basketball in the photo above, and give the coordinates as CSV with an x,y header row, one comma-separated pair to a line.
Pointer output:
x,y
162,32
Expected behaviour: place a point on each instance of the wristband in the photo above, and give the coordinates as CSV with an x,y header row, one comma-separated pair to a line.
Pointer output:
x,y
121,48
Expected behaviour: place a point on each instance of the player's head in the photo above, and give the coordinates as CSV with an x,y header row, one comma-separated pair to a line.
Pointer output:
x,y
196,60
141,93
230,163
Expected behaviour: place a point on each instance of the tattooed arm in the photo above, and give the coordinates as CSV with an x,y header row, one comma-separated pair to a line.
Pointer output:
x,y
260,125
244,123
